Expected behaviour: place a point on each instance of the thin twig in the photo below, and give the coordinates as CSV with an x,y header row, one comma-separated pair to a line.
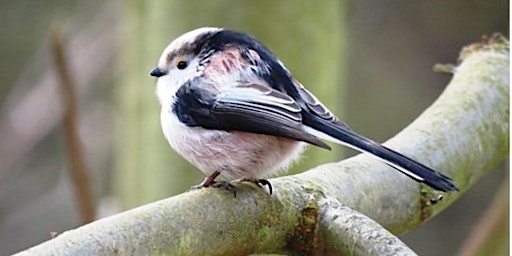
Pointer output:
x,y
68,96
491,226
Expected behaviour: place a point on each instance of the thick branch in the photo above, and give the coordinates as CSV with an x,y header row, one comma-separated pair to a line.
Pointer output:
x,y
463,134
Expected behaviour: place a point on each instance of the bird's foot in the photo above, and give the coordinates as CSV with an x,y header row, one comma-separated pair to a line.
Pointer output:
x,y
228,186
258,182
210,182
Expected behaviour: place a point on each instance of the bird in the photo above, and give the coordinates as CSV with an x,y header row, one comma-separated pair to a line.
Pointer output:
x,y
230,107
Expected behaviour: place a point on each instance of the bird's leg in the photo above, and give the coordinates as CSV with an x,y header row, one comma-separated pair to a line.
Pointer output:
x,y
210,182
258,182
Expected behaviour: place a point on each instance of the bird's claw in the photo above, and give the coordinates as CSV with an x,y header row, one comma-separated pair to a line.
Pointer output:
x,y
228,186
258,182
217,184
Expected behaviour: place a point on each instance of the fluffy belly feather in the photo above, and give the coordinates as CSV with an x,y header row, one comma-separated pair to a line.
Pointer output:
x,y
235,154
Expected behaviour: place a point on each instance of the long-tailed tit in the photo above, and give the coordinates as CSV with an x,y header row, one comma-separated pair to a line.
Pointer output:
x,y
230,107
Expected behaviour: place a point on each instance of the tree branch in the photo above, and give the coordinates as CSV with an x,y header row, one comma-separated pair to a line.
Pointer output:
x,y
78,169
490,234
463,134
345,230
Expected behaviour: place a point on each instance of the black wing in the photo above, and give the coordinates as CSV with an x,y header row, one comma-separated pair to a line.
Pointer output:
x,y
252,108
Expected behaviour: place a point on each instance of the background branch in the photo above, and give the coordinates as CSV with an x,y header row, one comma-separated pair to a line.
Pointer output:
x,y
78,170
488,233
463,134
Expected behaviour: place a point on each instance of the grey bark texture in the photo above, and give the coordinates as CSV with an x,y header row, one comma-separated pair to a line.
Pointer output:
x,y
333,208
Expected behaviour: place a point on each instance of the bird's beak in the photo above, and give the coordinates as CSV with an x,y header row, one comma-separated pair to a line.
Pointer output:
x,y
158,72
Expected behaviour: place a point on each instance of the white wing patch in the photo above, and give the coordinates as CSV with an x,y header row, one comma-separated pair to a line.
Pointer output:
x,y
314,104
260,97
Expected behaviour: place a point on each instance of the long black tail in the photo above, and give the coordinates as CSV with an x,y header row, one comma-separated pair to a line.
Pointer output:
x,y
402,163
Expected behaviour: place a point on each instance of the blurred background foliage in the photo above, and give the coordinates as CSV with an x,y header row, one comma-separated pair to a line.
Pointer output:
x,y
369,61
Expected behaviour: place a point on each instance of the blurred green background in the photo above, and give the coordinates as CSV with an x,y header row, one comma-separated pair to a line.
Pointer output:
x,y
369,61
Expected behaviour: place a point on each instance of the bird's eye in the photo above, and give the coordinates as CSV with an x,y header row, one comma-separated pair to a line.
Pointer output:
x,y
182,64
